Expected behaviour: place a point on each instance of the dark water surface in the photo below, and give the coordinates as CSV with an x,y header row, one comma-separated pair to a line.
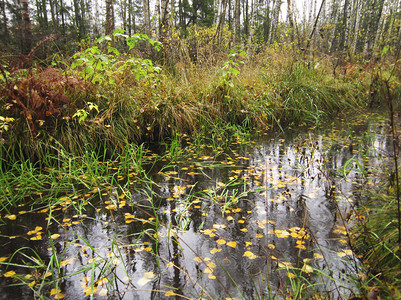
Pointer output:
x,y
237,226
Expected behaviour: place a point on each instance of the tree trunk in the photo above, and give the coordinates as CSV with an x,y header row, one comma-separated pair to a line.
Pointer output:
x,y
357,12
290,20
26,43
237,17
146,17
252,28
53,15
220,24
274,21
164,27
375,13
109,18
5,20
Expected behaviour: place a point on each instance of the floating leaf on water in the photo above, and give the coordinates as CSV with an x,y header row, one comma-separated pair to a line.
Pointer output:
x,y
248,244
235,210
300,246
232,244
22,212
221,241
241,221
215,250
244,230
229,218
271,246
317,255
258,235
66,262
285,264
340,230
32,283
219,226
307,268
291,275
147,277
10,217
169,293
4,258
282,234
250,255
9,274
103,292
38,237
198,259
211,276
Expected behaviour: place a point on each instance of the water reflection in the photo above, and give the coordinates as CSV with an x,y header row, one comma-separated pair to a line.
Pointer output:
x,y
234,227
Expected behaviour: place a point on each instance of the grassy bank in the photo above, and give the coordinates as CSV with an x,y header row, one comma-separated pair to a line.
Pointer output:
x,y
109,98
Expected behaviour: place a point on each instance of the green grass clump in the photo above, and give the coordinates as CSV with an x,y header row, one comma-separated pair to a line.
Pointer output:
x,y
376,239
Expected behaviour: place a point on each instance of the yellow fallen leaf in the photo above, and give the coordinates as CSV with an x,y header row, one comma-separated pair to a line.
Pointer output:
x,y
291,275
198,259
10,217
147,277
9,274
232,244
211,276
258,235
250,255
169,293
285,264
229,218
38,237
32,283
170,264
317,255
215,250
103,292
55,236
248,244
220,241
244,230
219,226
307,268
66,262
4,258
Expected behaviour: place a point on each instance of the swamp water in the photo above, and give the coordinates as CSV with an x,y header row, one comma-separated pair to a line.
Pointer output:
x,y
237,226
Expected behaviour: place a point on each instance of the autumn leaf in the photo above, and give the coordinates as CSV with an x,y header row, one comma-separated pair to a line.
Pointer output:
x,y
215,250
9,274
10,217
169,293
232,244
147,277
250,255
220,241
198,259
307,268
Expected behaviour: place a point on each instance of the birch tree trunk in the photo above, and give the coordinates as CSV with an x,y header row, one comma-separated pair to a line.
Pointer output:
x,y
274,21
146,17
220,24
237,16
356,31
109,18
164,20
